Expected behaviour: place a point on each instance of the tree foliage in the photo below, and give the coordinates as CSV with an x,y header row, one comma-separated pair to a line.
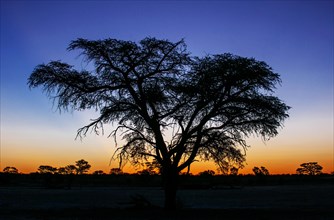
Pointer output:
x,y
116,171
166,104
146,172
71,169
46,169
207,173
82,166
62,171
9,169
310,168
234,171
262,171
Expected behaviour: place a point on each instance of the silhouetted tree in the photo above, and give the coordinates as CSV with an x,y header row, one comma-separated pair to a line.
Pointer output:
x,y
234,171
82,166
71,169
46,169
10,170
207,173
261,174
231,162
310,168
146,172
208,105
256,171
261,171
116,171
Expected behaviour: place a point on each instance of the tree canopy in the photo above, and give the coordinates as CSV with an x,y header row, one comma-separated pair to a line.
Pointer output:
x,y
262,171
9,169
46,169
168,105
82,166
310,168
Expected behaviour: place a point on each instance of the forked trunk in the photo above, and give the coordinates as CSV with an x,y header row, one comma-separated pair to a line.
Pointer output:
x,y
170,179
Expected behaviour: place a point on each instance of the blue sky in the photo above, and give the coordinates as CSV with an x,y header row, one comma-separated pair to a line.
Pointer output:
x,y
294,37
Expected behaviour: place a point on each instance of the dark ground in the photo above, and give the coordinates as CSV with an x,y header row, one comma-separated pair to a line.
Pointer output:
x,y
296,200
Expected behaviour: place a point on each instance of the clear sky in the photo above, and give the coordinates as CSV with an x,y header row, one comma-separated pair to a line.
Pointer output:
x,y
294,37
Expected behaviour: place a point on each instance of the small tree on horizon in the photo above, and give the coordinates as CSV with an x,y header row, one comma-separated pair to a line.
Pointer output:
x,y
310,168
207,173
12,170
82,166
208,106
116,171
262,171
234,171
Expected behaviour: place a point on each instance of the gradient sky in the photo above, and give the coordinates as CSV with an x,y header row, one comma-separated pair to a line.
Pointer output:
x,y
294,37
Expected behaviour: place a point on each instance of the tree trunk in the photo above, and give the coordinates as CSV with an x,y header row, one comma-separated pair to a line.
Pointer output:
x,y
170,179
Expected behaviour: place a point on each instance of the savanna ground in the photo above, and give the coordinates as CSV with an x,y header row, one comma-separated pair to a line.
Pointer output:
x,y
246,197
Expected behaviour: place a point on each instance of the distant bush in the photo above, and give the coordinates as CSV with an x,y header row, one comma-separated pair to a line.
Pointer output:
x,y
98,172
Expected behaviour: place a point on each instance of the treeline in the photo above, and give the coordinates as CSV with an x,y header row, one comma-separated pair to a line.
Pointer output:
x,y
82,167
152,168
60,181
76,175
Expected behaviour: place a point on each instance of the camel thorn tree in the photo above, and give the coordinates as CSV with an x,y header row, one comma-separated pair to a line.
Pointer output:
x,y
207,105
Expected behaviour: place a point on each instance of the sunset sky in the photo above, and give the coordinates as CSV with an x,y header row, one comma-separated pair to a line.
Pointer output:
x,y
294,37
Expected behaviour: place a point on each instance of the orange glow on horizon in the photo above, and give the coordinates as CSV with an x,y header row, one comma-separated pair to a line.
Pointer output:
x,y
279,155
288,168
